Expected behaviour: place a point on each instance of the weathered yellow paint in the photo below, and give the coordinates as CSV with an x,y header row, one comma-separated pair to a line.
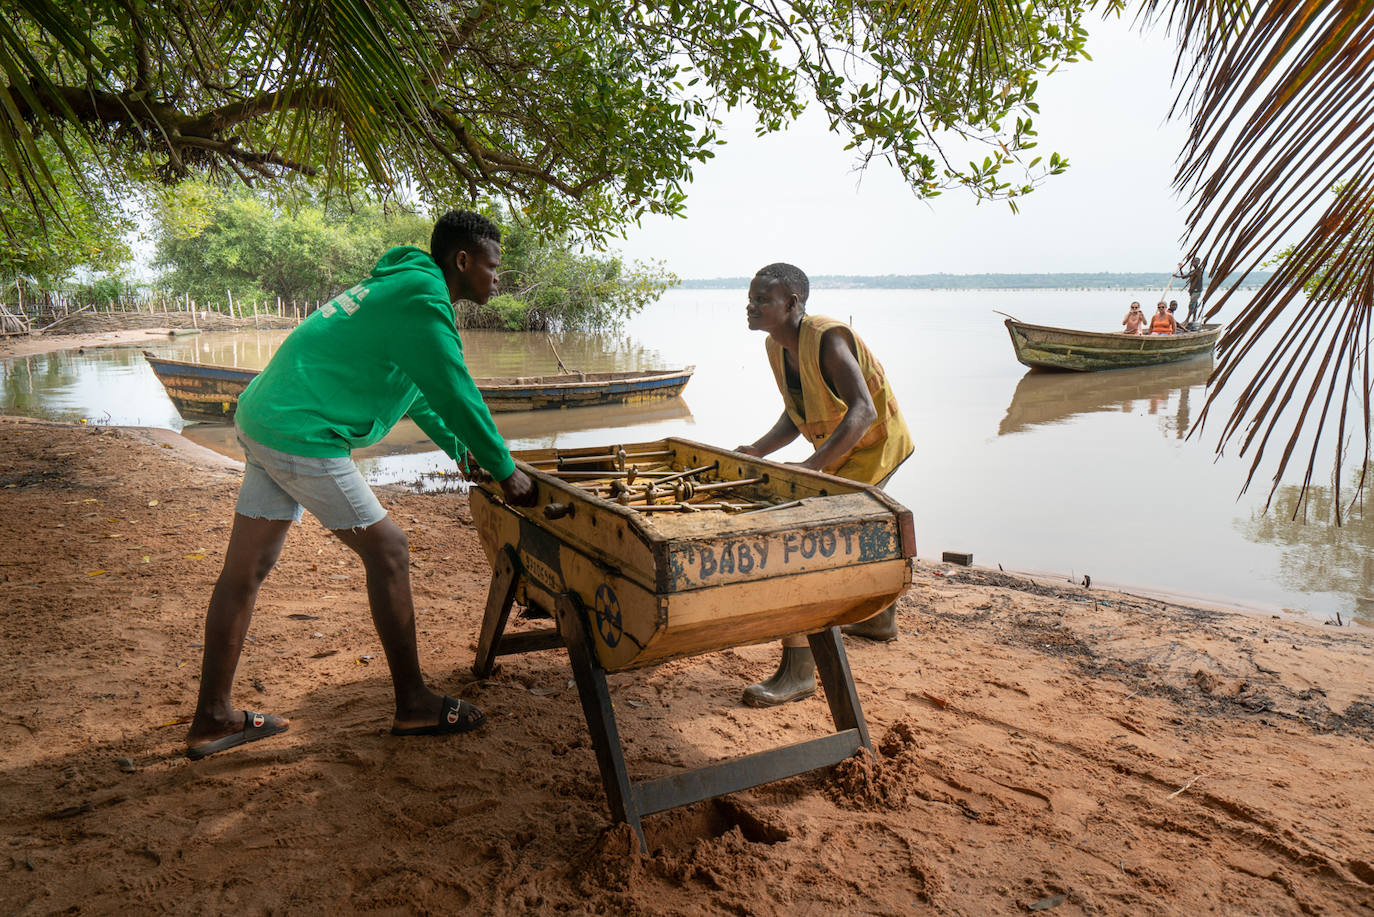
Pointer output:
x,y
666,585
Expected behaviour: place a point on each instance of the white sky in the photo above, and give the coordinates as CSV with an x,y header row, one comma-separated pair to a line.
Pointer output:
x,y
794,196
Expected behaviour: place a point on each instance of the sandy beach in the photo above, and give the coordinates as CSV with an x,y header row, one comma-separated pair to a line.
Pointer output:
x,y
1036,743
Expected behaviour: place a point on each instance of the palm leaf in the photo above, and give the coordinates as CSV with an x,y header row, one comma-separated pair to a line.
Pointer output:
x,y
1280,97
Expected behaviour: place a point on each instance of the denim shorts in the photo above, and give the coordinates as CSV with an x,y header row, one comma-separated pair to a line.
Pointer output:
x,y
278,485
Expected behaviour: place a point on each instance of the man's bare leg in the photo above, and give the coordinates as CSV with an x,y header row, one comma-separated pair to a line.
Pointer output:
x,y
385,554
254,546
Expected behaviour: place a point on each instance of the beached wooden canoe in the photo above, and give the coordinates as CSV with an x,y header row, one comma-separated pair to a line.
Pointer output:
x,y
206,391
1043,347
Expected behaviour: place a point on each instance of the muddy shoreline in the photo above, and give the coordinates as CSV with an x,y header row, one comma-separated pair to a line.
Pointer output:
x,y
1033,739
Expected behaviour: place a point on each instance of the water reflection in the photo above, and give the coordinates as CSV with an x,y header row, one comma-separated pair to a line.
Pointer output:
x,y
1050,398
108,385
521,429
115,385
488,353
1317,554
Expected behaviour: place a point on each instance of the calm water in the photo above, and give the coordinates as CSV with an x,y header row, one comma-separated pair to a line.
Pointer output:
x,y
1068,475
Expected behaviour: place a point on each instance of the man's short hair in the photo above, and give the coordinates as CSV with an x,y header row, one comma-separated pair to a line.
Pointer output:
x,y
460,230
790,276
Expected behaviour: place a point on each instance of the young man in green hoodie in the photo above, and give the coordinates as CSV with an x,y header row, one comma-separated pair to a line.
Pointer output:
x,y
383,349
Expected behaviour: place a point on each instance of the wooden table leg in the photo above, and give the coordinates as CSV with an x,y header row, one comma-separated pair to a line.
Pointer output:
x,y
596,707
499,600
833,667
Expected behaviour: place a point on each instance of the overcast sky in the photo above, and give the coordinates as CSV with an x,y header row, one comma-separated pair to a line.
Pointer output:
x,y
795,197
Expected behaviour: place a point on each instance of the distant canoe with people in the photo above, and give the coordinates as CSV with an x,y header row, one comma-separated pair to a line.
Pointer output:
x,y
1045,347
207,391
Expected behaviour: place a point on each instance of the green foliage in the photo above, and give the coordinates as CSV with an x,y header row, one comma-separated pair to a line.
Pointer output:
x,y
89,238
558,288
105,292
211,240
587,115
502,311
1319,270
548,285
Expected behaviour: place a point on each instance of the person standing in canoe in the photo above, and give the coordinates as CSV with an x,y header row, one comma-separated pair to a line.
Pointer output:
x,y
836,395
344,377
1195,276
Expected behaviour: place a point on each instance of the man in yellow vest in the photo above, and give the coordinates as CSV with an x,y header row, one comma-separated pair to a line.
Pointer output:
x,y
836,395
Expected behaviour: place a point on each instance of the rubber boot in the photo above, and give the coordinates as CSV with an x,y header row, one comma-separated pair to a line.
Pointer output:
x,y
881,627
795,679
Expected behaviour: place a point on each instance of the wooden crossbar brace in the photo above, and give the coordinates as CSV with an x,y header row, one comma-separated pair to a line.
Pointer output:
x,y
631,800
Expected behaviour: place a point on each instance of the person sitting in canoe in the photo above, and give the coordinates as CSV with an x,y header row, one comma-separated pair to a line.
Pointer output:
x,y
1179,327
1163,320
1134,320
836,395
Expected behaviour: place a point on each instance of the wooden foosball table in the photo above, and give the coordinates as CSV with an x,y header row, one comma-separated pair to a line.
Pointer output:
x,y
654,551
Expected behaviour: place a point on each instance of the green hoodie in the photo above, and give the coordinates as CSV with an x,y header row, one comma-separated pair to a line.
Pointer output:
x,y
372,354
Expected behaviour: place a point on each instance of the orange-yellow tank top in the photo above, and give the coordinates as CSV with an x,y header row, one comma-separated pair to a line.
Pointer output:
x,y
817,411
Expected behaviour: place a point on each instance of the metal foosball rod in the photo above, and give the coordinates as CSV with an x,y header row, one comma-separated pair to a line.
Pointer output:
x,y
686,490
695,507
558,458
768,506
591,475
690,472
617,486
608,457
722,485
660,477
625,493
614,489
682,491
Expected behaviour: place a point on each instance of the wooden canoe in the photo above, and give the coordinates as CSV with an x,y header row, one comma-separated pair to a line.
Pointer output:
x,y
206,391
1044,347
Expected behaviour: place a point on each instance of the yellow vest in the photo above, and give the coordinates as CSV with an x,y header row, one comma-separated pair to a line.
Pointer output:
x,y
817,411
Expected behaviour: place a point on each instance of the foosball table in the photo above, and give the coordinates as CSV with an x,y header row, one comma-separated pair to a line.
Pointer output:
x,y
647,552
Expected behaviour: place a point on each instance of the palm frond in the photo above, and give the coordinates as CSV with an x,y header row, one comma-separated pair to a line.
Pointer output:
x,y
1280,97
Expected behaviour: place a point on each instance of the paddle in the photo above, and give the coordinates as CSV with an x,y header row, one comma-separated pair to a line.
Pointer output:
x,y
561,367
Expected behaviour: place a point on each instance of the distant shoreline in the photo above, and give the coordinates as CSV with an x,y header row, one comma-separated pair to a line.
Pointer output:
x,y
1059,281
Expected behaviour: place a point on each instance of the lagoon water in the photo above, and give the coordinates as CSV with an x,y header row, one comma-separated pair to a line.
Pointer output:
x,y
1068,475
